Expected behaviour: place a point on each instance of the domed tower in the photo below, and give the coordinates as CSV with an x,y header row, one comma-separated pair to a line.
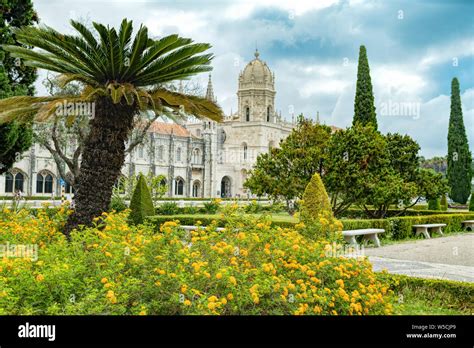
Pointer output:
x,y
256,94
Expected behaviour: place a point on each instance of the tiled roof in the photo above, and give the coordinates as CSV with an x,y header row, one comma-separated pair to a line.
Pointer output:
x,y
169,128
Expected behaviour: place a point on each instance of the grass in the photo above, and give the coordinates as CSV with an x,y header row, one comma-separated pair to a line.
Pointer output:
x,y
410,303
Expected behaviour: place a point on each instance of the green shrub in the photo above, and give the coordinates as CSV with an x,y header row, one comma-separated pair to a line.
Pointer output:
x,y
253,208
212,207
434,204
315,200
141,204
168,208
117,203
471,202
452,293
444,203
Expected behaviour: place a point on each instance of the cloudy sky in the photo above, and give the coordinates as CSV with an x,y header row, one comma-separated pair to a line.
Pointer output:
x,y
415,48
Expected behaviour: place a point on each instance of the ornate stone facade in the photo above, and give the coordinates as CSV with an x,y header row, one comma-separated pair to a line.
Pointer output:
x,y
199,158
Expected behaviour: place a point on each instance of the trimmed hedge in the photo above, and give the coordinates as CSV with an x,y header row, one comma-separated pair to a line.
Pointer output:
x,y
353,213
401,227
453,293
395,228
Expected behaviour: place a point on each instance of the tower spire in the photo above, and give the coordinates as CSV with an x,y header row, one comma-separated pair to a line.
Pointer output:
x,y
210,90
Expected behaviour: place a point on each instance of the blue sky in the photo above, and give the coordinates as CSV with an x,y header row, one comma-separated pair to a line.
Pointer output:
x,y
415,48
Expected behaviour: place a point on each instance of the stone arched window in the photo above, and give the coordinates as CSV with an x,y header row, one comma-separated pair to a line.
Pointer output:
x,y
269,110
141,151
15,181
245,151
247,114
44,182
197,156
196,188
9,180
179,187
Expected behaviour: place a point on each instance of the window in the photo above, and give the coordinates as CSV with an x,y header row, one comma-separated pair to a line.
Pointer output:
x,y
178,154
196,156
196,189
245,151
19,181
140,151
48,184
44,183
247,114
8,182
39,183
68,188
268,113
179,187
161,151
198,132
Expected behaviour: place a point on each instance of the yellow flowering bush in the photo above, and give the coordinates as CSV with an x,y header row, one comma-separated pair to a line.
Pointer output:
x,y
113,268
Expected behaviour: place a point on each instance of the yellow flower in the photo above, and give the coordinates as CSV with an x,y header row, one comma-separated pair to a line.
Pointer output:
x,y
219,275
158,283
224,301
187,303
212,299
340,282
211,305
230,296
232,280
142,313
104,280
39,277
184,288
107,285
108,254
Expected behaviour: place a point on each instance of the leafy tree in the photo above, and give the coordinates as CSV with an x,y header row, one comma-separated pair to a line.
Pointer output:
x,y
369,169
471,202
459,156
285,171
124,77
364,108
357,160
15,79
141,204
438,164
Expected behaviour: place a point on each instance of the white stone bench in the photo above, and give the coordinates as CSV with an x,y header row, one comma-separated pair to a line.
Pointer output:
x,y
468,224
368,233
196,228
424,228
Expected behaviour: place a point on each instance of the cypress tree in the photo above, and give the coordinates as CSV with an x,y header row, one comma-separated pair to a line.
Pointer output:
x,y
459,156
141,204
471,202
364,108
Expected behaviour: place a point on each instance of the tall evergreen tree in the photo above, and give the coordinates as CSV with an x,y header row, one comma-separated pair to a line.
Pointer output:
x,y
15,79
459,156
364,108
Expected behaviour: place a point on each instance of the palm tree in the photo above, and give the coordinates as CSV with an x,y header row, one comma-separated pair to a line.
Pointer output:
x,y
122,78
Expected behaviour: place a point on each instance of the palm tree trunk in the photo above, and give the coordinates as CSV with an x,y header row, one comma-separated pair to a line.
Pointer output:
x,y
102,160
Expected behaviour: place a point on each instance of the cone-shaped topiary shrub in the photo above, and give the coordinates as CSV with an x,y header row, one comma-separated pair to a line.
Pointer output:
x,y
141,204
434,204
444,203
315,199
471,202
316,211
